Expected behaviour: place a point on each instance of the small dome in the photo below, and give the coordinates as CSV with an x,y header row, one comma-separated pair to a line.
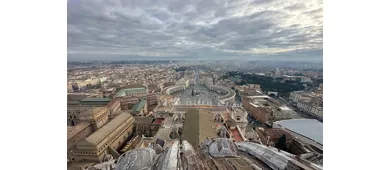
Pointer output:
x,y
222,147
137,159
231,122
218,118
222,129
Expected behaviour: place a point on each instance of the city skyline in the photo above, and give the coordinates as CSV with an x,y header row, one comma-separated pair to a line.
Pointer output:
x,y
270,30
119,113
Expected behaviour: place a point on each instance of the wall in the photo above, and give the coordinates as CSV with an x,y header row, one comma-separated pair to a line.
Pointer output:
x,y
74,112
80,136
123,131
259,113
122,137
274,135
152,98
101,118
279,115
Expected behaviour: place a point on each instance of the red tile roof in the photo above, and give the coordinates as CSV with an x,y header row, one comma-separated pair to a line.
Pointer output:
x,y
236,135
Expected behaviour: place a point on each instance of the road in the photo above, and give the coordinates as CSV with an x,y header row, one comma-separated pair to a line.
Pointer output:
x,y
196,78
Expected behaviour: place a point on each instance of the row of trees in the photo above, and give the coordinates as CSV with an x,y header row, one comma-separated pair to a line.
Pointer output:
x,y
268,83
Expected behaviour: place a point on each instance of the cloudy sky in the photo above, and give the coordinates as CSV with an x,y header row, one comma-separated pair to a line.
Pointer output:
x,y
195,29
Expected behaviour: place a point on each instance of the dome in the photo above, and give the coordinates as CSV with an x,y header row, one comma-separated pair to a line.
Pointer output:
x,y
231,122
137,159
222,131
218,118
179,118
222,147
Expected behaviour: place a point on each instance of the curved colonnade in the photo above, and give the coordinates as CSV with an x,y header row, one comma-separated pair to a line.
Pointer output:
x,y
229,93
225,99
173,89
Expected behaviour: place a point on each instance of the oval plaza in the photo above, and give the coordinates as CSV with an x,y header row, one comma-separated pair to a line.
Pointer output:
x,y
200,92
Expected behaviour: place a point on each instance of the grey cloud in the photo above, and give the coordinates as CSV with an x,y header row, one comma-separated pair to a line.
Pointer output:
x,y
208,28
296,7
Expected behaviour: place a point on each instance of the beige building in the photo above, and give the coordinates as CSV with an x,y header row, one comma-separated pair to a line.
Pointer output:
x,y
114,108
78,133
114,105
97,116
300,95
105,140
127,102
73,113
310,108
78,84
152,98
143,125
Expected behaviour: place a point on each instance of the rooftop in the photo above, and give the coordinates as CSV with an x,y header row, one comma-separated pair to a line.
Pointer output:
x,y
238,111
144,120
133,86
163,133
138,106
275,132
158,121
309,128
152,86
236,135
122,92
73,102
96,100
73,130
198,126
232,163
132,89
284,108
260,96
93,111
274,159
107,129
112,102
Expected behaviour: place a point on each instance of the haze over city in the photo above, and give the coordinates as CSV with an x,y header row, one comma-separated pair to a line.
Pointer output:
x,y
181,30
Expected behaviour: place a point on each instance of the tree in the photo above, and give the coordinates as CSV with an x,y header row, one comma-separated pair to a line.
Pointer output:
x,y
282,143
